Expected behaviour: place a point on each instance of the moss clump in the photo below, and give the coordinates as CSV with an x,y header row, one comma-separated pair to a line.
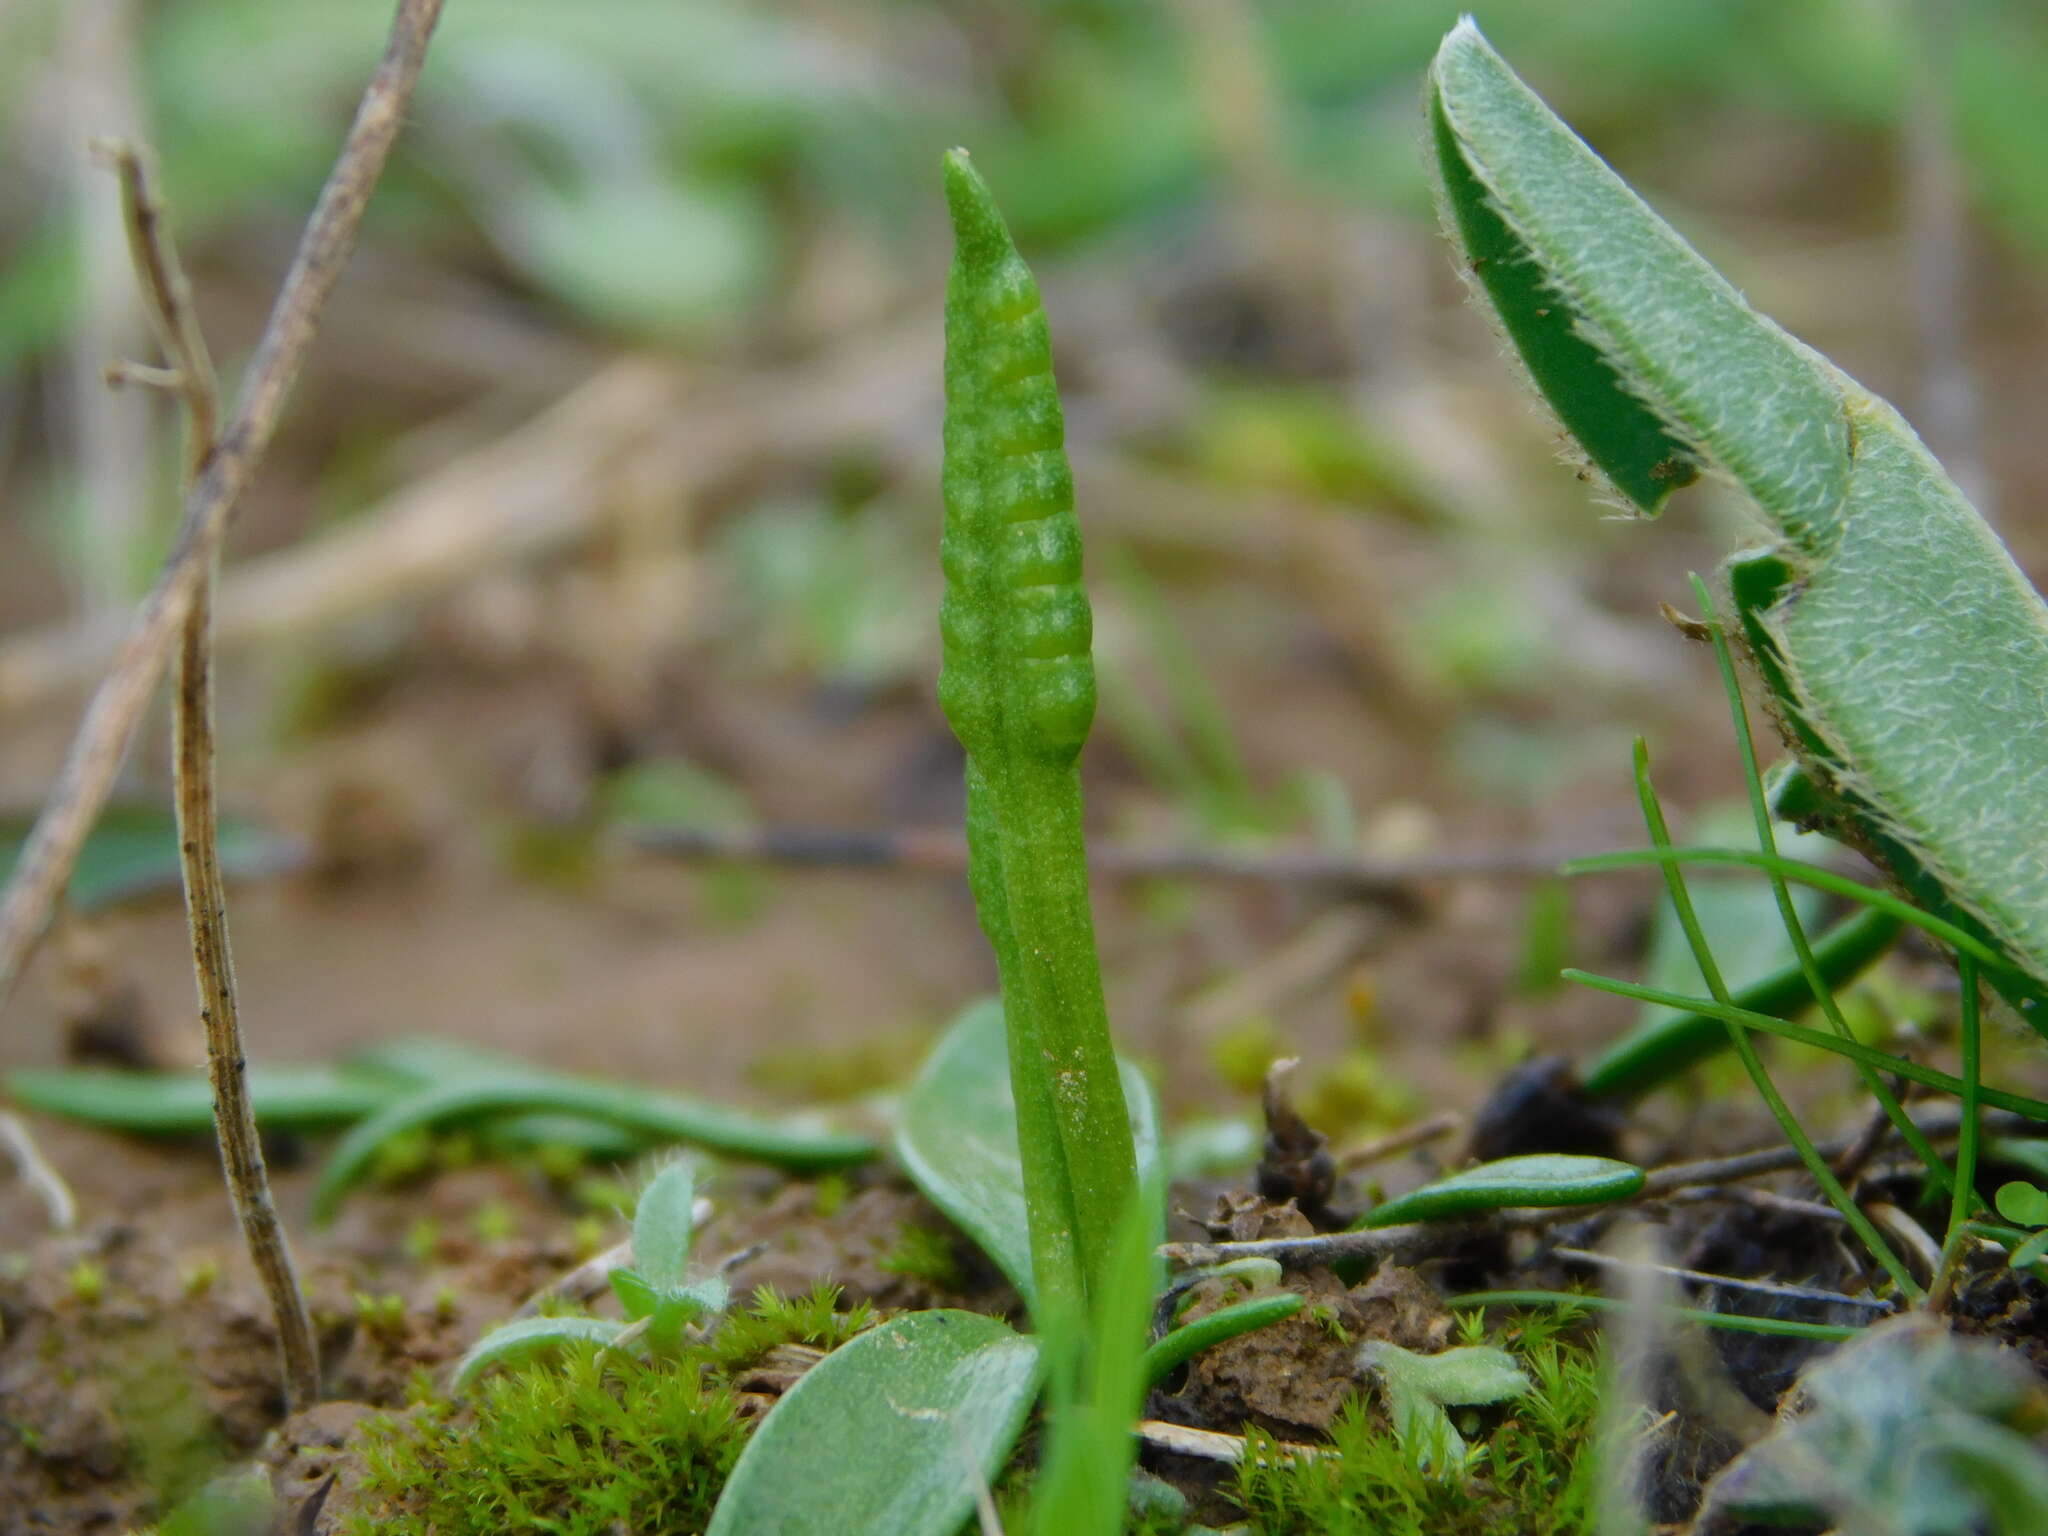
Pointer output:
x,y
582,1448
747,1336
1533,1473
587,1444
922,1254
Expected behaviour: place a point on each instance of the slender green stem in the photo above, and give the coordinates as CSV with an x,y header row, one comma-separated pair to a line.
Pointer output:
x,y
1784,1326
1964,1204
1795,930
1745,1048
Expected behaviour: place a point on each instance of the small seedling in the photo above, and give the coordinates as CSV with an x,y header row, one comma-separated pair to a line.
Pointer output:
x,y
381,1317
199,1277
2026,1205
656,1291
1420,1388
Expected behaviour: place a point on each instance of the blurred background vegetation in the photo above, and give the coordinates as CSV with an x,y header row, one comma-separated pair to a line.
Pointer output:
x,y
611,489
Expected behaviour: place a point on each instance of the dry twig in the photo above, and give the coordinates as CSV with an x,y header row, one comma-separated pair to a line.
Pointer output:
x,y
1776,1288
167,299
110,720
1421,1133
36,1172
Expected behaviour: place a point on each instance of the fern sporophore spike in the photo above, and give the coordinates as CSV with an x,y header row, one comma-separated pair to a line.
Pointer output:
x,y
1018,684
1904,654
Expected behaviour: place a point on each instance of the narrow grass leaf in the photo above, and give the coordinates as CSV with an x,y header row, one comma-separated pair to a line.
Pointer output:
x,y
667,1116
1899,1066
181,1103
132,853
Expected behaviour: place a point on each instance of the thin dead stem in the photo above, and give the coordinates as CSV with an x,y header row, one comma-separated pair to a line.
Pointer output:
x,y
110,720
167,298
219,462
36,1172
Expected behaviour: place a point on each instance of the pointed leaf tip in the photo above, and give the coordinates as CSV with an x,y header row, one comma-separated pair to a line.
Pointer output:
x,y
979,232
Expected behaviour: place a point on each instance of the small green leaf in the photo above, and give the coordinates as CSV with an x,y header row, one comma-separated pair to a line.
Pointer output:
x,y
530,1336
957,1138
2032,1251
661,1227
1420,1387
2023,1204
889,1435
636,1296
1541,1179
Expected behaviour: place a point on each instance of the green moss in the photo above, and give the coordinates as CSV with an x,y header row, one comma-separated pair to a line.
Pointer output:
x,y
925,1255
1356,1095
835,1074
581,1449
748,1334
1240,1054
1533,1472
588,1444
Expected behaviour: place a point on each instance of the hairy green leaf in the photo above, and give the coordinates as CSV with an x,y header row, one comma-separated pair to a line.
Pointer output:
x,y
1420,1387
661,1226
1899,640
889,1435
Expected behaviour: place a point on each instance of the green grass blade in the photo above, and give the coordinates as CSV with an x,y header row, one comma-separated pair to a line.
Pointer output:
x,y
1897,1066
1745,1048
663,1115
1676,1040
1788,914
1802,874
1784,1327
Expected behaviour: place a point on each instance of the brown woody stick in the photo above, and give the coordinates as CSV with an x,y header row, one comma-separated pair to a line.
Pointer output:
x,y
167,299
109,724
